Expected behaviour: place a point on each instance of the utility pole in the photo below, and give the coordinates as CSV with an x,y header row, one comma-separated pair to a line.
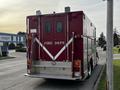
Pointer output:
x,y
109,44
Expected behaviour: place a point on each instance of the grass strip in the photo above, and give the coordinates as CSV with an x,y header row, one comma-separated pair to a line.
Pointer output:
x,y
116,82
116,50
102,83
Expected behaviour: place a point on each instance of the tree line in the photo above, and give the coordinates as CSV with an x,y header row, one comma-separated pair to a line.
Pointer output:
x,y
102,39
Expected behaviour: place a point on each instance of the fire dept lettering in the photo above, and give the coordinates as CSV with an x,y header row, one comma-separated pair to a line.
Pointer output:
x,y
59,42
55,43
48,43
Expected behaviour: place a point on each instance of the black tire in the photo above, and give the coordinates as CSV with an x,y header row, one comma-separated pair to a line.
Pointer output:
x,y
89,70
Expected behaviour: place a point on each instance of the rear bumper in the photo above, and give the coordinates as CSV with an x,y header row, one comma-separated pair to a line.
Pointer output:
x,y
53,76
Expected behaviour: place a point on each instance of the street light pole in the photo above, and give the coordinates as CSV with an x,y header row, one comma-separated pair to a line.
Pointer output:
x,y
109,44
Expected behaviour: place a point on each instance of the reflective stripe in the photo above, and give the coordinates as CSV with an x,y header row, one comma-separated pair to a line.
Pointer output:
x,y
59,53
64,47
44,48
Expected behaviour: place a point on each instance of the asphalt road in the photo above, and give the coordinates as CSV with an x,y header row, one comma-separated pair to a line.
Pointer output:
x,y
12,77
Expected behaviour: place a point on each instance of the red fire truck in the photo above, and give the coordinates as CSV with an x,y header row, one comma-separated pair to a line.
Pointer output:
x,y
61,46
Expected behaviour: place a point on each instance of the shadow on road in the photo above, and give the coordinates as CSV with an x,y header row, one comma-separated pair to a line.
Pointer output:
x,y
54,84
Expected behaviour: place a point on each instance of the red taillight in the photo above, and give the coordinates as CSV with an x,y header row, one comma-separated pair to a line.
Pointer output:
x,y
77,65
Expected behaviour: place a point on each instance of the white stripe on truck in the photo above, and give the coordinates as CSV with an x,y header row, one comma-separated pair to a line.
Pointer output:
x,y
44,48
59,53
64,47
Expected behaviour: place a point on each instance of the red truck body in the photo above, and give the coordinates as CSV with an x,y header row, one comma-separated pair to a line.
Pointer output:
x,y
61,46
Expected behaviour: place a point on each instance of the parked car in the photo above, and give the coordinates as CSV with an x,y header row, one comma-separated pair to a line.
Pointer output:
x,y
4,50
20,48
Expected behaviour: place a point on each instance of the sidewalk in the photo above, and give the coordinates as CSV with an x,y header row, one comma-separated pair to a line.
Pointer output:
x,y
116,56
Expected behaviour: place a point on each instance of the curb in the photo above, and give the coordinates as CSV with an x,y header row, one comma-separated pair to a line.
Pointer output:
x,y
98,79
116,58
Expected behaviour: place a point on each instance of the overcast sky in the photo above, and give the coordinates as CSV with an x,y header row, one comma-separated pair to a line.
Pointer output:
x,y
13,12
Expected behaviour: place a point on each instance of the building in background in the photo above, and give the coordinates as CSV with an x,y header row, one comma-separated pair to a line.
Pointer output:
x,y
8,38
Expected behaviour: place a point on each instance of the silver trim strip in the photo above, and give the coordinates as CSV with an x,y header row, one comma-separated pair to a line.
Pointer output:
x,y
27,24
